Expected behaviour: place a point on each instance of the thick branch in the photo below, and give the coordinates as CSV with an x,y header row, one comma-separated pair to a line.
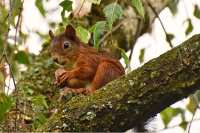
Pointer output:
x,y
135,97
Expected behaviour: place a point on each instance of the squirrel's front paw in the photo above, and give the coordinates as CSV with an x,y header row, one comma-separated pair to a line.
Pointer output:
x,y
59,72
62,76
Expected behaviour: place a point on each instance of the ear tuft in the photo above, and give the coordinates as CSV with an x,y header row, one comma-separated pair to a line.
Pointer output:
x,y
51,34
70,32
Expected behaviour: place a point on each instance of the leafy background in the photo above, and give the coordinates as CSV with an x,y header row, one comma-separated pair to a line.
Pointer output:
x,y
23,34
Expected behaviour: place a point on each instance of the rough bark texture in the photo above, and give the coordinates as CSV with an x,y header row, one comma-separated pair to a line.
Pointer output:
x,y
135,97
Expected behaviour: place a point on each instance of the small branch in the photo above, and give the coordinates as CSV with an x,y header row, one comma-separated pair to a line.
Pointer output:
x,y
154,11
81,7
195,110
178,125
111,31
190,123
18,22
115,28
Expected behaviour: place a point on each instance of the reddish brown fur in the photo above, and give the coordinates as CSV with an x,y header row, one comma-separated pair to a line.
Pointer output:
x,y
89,64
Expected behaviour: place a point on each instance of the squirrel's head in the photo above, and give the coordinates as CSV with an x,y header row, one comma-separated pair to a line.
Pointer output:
x,y
64,47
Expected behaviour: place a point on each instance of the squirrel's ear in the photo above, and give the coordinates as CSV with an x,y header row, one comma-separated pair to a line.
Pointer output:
x,y
51,34
70,32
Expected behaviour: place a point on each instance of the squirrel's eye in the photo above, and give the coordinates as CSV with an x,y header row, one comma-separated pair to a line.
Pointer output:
x,y
66,45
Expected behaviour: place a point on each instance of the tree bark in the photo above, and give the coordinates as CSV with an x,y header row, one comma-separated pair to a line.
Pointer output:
x,y
135,97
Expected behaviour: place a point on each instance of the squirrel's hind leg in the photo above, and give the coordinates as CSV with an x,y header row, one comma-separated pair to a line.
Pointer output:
x,y
105,73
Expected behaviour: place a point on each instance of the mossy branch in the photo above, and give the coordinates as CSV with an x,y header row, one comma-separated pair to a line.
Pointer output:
x,y
135,97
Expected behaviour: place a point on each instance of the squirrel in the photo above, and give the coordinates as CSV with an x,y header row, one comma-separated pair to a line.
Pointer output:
x,y
86,69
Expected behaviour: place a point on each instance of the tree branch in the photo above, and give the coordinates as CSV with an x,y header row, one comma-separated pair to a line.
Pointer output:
x,y
135,97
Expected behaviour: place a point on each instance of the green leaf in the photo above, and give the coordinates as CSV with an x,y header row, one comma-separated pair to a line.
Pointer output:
x,y
6,103
40,7
169,113
191,106
124,56
95,1
138,6
97,31
196,11
169,37
189,28
173,6
67,6
141,56
83,34
22,57
183,125
112,12
16,10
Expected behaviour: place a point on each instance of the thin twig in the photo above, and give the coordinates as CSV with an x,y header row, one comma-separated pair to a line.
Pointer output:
x,y
184,122
18,22
13,78
81,7
154,11
111,31
162,25
190,123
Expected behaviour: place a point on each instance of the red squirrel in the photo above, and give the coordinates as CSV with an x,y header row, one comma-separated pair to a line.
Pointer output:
x,y
87,69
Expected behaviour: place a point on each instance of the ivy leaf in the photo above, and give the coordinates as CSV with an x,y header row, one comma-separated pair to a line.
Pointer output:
x,y
95,1
22,57
112,12
191,106
40,7
189,28
196,11
141,56
67,6
83,34
169,113
138,6
124,56
16,10
97,31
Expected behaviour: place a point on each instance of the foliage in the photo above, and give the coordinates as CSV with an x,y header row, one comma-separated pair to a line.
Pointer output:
x,y
83,34
39,103
112,12
40,7
173,6
196,11
67,6
190,27
139,7
6,102
97,30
